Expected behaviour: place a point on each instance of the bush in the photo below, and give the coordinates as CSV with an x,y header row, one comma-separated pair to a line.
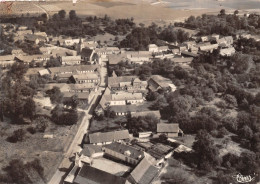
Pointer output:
x,y
18,136
31,130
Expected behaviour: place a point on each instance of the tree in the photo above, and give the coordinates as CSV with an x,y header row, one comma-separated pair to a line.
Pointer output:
x,y
163,137
62,14
231,100
236,12
29,108
206,151
246,132
72,102
41,124
241,62
55,95
222,12
18,135
72,15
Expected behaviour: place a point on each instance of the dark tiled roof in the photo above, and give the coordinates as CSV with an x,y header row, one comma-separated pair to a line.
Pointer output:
x,y
91,175
122,149
90,149
145,113
100,137
144,172
86,52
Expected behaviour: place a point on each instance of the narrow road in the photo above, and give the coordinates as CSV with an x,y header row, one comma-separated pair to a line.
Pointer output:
x,y
82,130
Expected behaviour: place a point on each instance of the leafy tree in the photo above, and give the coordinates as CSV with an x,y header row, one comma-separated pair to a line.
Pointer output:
x,y
41,124
29,108
231,100
241,63
246,132
53,62
206,151
72,15
18,136
62,14
72,102
55,95
222,12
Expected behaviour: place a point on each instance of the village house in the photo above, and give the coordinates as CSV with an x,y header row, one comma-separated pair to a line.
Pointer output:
x,y
158,82
183,62
124,98
38,58
23,32
144,173
152,48
225,42
22,28
17,52
103,138
123,110
88,55
189,54
163,48
85,78
35,39
72,70
84,98
227,51
91,150
147,113
75,88
139,57
126,83
124,153
91,175
56,51
204,38
170,130
114,59
208,48
69,42
105,51
70,60
6,61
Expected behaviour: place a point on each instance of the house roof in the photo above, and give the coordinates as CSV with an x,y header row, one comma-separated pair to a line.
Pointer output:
x,y
30,58
44,72
167,128
72,69
91,175
182,60
122,148
145,113
115,81
33,37
124,108
85,76
90,149
7,58
209,47
144,172
70,58
189,53
100,137
86,52
116,58
126,96
161,81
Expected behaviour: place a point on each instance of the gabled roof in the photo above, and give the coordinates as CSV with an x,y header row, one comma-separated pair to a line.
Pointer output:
x,y
100,137
7,58
145,172
72,69
122,149
145,113
91,175
114,81
85,76
123,108
116,58
182,60
167,128
161,81
126,96
90,149
70,58
86,52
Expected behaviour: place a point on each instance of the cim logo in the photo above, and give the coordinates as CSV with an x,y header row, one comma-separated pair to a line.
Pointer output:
x,y
244,179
